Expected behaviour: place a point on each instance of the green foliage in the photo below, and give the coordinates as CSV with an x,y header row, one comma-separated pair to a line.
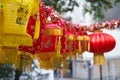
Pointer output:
x,y
96,7
62,6
117,1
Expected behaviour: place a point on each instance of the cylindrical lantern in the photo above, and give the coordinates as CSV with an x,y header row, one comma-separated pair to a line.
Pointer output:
x,y
100,43
69,50
82,43
15,18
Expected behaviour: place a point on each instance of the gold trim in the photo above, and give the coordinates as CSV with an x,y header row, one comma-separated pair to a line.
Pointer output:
x,y
54,31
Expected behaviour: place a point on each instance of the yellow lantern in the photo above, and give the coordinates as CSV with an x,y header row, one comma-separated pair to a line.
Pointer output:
x,y
15,15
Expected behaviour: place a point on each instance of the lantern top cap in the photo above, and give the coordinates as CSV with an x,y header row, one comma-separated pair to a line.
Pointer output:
x,y
98,31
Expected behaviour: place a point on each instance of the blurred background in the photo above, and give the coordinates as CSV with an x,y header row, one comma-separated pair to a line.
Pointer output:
x,y
83,12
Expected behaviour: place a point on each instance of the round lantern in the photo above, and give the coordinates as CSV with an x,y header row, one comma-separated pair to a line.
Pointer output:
x,y
100,43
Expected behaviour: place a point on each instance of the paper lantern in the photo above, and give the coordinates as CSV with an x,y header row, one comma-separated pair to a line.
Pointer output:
x,y
79,39
82,43
51,32
69,50
14,19
73,31
51,45
14,22
99,44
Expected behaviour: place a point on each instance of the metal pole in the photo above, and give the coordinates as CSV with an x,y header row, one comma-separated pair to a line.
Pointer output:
x,y
113,72
108,70
100,72
90,71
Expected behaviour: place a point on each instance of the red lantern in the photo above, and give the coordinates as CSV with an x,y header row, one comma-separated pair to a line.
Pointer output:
x,y
100,43
70,44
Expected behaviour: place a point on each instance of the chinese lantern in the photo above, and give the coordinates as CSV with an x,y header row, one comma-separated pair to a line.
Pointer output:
x,y
82,42
55,30
50,36
13,29
69,49
14,19
99,44
60,57
51,45
79,39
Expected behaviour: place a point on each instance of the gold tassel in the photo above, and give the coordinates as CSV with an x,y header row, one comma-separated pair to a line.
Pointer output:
x,y
80,48
15,40
9,54
64,62
46,59
70,55
56,62
46,64
71,52
24,62
45,56
37,27
99,59
86,43
2,57
58,47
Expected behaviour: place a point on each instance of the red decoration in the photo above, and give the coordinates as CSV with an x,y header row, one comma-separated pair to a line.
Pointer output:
x,y
68,51
100,43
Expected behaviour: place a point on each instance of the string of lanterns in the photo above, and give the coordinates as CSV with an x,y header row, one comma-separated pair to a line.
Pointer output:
x,y
39,32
